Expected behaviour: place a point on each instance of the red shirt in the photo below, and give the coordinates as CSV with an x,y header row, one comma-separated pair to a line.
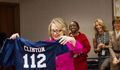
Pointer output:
x,y
80,62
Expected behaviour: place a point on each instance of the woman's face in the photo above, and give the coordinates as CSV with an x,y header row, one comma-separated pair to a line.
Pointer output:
x,y
98,27
117,25
73,27
56,32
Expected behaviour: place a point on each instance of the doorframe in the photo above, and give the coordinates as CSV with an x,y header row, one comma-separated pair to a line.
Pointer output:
x,y
16,14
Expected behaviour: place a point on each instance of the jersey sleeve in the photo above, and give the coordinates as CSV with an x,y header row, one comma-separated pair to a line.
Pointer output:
x,y
7,53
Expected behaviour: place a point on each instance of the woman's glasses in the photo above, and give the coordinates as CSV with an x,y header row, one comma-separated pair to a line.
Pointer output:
x,y
56,31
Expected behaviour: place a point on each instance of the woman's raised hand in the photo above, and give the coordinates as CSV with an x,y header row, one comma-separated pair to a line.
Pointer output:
x,y
66,39
14,36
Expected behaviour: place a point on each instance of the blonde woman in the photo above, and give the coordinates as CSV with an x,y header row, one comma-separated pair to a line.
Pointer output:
x,y
58,29
115,45
101,44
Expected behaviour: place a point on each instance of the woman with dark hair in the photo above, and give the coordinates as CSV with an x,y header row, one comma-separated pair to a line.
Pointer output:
x,y
115,45
80,60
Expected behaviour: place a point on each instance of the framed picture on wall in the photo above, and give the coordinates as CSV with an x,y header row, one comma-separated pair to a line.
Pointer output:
x,y
116,7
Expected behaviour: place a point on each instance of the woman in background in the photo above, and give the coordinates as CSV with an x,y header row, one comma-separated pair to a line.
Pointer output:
x,y
80,60
115,45
101,44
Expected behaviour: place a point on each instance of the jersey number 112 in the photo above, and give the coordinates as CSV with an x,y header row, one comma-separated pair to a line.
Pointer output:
x,y
40,63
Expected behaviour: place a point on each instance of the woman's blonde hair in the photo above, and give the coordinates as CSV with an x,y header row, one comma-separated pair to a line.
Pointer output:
x,y
100,21
60,23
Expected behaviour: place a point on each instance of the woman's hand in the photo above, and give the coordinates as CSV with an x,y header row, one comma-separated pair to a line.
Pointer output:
x,y
115,61
66,39
101,45
14,36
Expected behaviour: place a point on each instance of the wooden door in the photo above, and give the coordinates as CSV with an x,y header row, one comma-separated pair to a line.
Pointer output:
x,y
9,22
9,18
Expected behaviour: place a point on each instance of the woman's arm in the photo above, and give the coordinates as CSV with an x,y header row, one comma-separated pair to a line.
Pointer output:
x,y
77,49
115,60
95,45
86,45
110,44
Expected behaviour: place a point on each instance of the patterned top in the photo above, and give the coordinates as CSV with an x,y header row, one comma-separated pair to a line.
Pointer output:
x,y
103,38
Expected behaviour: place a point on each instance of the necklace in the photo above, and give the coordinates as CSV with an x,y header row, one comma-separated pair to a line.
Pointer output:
x,y
75,35
100,40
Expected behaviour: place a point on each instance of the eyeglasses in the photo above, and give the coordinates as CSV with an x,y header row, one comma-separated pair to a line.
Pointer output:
x,y
56,31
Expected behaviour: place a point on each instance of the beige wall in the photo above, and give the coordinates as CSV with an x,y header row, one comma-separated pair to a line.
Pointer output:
x,y
35,16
